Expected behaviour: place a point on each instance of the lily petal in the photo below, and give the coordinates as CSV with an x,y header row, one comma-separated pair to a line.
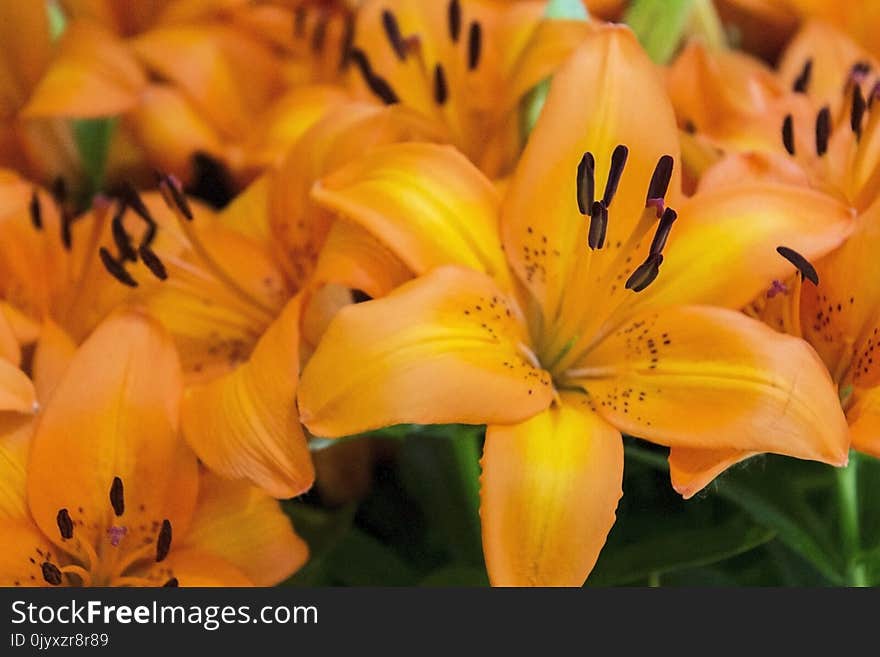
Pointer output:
x,y
23,550
245,425
702,377
196,568
589,108
24,32
864,418
446,347
124,424
15,436
94,74
427,203
54,352
247,528
17,393
550,487
722,250
691,470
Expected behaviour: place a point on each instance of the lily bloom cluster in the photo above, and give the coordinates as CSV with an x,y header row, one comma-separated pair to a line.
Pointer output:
x,y
228,227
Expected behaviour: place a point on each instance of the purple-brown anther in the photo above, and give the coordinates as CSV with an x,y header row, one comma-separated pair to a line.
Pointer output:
x,y
803,265
377,84
645,273
859,72
788,134
392,32
319,34
36,210
152,261
51,573
163,542
65,524
475,45
117,496
823,130
121,237
618,162
802,82
660,184
116,533
663,230
441,91
172,194
454,20
857,112
586,183
171,583
598,225
115,268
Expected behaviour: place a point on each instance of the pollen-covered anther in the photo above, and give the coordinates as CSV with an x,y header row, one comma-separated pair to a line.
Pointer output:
x,y
65,524
163,542
377,84
645,273
117,496
475,45
172,193
788,134
857,111
823,130
598,225
803,265
152,262
115,268
454,16
659,184
802,81
441,90
615,171
392,31
586,183
777,287
663,230
51,573
36,211
116,533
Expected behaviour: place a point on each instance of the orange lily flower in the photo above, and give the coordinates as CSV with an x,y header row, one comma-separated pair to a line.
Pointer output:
x,y
238,291
577,322
42,149
466,63
110,494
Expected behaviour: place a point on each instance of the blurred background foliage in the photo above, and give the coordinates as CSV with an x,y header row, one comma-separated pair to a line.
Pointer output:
x,y
771,521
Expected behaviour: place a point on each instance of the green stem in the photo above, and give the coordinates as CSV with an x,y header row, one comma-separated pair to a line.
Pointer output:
x,y
848,504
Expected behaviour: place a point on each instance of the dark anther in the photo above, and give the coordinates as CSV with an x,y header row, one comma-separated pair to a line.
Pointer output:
x,y
377,84
173,196
475,45
802,82
299,21
65,524
800,262
645,273
660,179
392,31
66,223
618,162
858,111
51,573
117,497
171,583
120,237
115,268
359,296
441,92
586,183
319,35
859,71
163,543
59,191
152,261
454,20
133,200
663,229
346,42
823,131
36,211
598,225
788,134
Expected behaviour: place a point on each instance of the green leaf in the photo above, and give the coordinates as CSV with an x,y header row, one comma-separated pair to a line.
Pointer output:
x,y
440,470
93,137
677,549
459,576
